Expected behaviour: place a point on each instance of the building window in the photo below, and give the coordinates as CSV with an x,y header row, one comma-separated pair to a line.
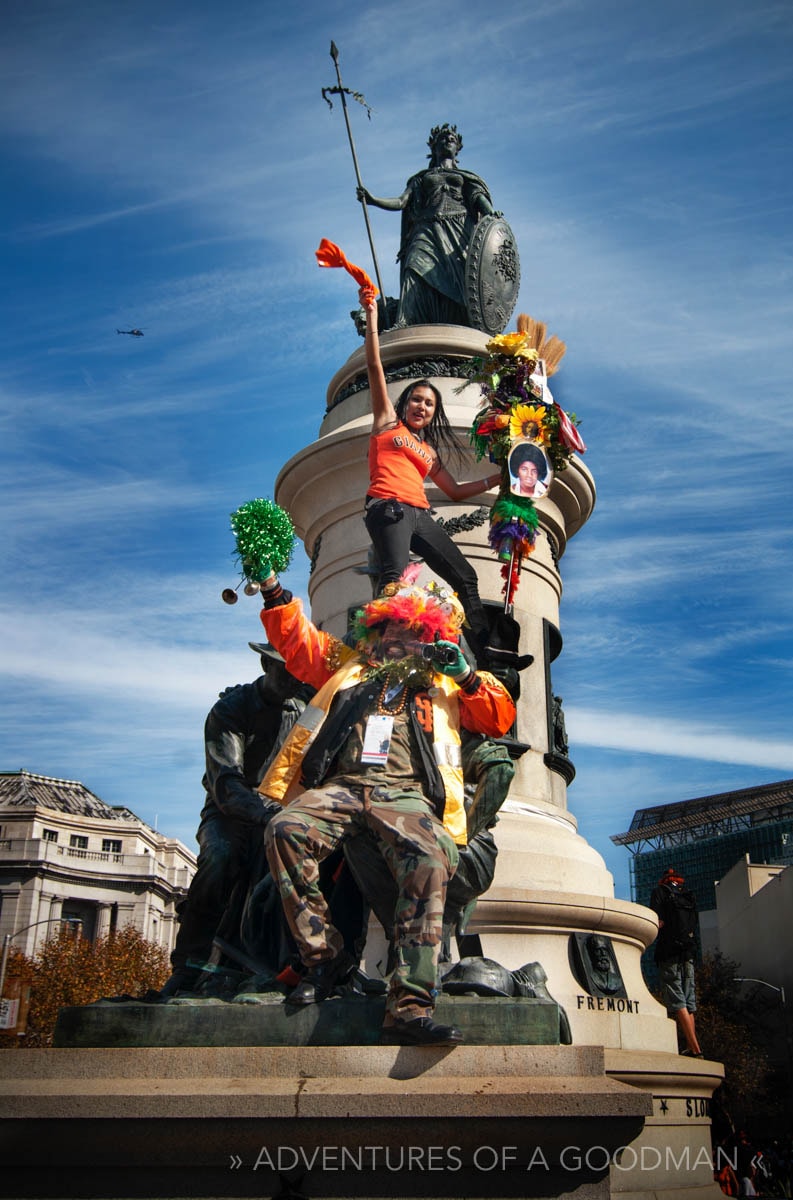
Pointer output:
x,y
111,845
78,842
50,835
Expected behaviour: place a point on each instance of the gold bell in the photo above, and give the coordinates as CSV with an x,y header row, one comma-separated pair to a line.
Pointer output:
x,y
229,596
252,587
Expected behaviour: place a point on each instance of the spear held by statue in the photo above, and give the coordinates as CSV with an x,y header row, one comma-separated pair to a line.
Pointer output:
x,y
343,93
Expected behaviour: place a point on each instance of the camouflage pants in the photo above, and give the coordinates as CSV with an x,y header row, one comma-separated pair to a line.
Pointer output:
x,y
420,855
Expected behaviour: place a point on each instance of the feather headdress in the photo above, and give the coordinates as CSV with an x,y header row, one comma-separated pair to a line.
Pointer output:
x,y
428,612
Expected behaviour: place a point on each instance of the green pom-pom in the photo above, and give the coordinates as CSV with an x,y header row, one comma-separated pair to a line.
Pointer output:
x,y
265,538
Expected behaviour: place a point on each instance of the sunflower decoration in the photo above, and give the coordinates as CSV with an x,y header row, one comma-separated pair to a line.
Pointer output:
x,y
519,410
528,421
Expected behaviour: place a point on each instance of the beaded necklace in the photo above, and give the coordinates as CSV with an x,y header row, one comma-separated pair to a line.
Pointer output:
x,y
390,692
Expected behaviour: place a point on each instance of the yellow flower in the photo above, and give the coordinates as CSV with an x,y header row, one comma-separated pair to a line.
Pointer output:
x,y
527,421
513,345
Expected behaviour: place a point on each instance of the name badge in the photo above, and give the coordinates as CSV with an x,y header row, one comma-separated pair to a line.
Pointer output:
x,y
377,739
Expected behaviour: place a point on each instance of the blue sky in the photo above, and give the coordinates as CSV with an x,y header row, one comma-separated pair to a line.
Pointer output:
x,y
173,167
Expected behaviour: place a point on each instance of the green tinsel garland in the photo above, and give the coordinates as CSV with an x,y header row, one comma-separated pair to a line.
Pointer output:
x,y
265,538
514,508
411,672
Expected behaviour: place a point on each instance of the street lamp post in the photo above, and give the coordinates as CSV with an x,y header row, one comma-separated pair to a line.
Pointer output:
x,y
764,982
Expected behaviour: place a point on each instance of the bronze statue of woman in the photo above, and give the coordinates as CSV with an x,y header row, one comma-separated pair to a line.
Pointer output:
x,y
440,207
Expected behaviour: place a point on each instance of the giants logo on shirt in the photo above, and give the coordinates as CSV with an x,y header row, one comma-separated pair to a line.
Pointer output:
x,y
423,707
416,447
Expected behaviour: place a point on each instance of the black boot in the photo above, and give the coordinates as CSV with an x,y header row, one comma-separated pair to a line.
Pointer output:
x,y
420,1031
318,982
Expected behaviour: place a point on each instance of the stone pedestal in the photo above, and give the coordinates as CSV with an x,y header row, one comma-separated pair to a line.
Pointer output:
x,y
222,1121
500,1121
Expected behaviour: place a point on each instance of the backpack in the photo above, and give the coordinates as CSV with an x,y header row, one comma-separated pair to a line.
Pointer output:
x,y
680,919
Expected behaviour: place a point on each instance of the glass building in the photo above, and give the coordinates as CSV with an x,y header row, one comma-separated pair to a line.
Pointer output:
x,y
703,838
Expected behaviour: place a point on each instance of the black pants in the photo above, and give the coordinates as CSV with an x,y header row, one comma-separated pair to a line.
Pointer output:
x,y
415,530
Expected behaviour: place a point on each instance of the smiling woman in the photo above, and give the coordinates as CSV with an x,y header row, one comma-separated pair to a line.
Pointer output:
x,y
403,451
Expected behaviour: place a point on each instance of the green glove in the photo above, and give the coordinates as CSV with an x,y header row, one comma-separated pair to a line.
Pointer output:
x,y
458,667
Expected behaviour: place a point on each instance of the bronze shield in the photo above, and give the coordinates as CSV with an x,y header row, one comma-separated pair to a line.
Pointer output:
x,y
492,275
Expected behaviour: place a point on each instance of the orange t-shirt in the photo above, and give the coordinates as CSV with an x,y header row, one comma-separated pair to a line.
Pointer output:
x,y
398,466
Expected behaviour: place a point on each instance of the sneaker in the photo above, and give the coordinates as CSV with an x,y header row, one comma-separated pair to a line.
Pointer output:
x,y
420,1031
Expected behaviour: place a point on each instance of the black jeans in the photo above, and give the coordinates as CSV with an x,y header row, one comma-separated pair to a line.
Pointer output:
x,y
415,530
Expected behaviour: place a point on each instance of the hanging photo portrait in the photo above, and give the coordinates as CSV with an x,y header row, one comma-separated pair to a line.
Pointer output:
x,y
530,473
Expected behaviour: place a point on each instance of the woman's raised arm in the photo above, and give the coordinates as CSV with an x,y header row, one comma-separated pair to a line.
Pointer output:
x,y
383,411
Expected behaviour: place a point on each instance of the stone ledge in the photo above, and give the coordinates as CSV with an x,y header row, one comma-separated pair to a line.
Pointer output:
x,y
657,1069
229,1062
360,1098
504,909
304,1083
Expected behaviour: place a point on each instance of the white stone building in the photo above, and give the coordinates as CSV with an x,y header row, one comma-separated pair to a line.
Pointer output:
x,y
65,854
754,911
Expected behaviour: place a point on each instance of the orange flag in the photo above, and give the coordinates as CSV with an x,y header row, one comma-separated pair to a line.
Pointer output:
x,y
329,255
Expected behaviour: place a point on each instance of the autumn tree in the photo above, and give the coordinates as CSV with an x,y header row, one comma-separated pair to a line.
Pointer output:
x,y
70,970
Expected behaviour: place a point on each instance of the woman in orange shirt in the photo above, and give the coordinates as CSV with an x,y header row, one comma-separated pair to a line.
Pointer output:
x,y
404,449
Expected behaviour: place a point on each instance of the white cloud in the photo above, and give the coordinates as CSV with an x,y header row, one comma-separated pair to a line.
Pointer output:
x,y
634,732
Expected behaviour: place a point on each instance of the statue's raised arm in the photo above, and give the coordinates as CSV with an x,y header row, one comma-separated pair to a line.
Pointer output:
x,y
454,268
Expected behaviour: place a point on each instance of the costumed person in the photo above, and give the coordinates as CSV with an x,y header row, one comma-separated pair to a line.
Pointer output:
x,y
441,206
405,447
378,749
241,732
528,466
675,952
